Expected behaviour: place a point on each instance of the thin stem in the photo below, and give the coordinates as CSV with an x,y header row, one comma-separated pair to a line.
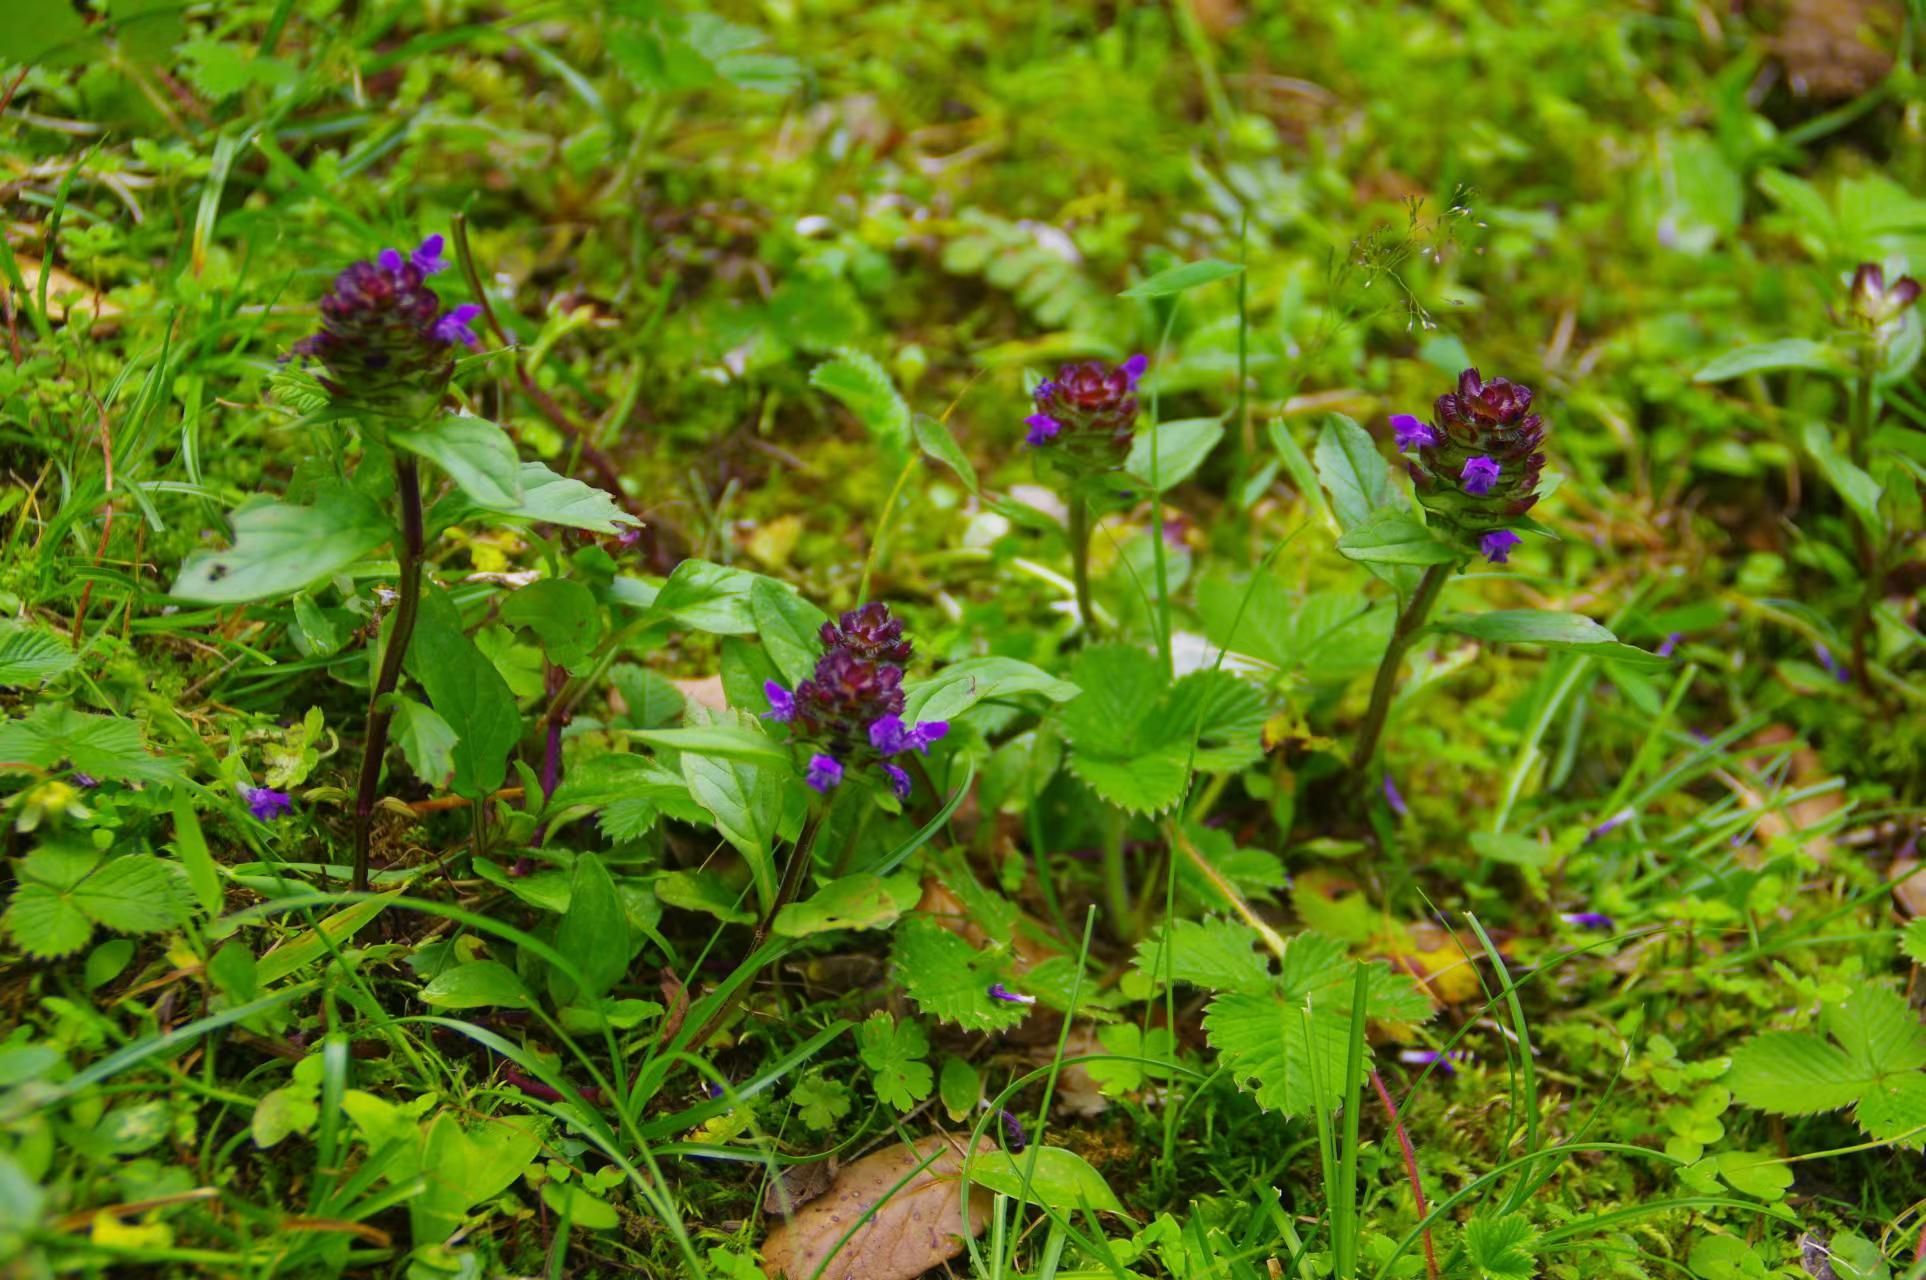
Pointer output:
x,y
1080,559
793,879
1116,880
408,557
1867,540
1410,1169
1402,634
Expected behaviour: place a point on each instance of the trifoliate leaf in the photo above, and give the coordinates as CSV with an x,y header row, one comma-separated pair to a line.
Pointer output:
x,y
820,1101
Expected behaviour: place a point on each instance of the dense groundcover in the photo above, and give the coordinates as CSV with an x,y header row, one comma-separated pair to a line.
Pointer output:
x,y
859,638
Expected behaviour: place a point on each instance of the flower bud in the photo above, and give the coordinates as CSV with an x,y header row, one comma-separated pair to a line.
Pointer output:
x,y
1086,414
1875,304
1476,466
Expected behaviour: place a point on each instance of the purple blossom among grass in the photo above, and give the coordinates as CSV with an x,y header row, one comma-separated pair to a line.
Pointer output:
x,y
266,803
1000,992
1497,545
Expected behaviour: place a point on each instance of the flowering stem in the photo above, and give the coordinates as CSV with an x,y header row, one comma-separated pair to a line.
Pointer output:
x,y
408,557
1861,428
1402,634
1080,559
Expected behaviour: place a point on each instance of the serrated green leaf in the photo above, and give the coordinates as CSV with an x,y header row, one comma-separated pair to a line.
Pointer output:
x,y
135,894
278,548
1500,1247
107,747
1217,955
45,922
866,389
948,979
31,656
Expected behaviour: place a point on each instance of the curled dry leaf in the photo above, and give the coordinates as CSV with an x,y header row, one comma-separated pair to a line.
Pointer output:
x,y
914,1227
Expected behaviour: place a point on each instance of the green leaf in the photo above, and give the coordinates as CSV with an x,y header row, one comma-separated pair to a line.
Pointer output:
x,y
702,891
1392,537
1185,276
594,932
467,692
710,597
745,800
1352,471
934,439
865,388
278,548
580,1208
1122,687
135,893
46,923
1771,357
38,28
31,656
718,742
479,984
962,685
1180,447
1057,1178
1852,483
861,901
949,979
190,843
1572,632
820,1101
1329,637
960,1088
1872,1058
477,455
1217,955
426,741
548,498
1500,1247
1513,849
563,615
789,626
1755,1173
312,944
893,1052
54,734
1912,940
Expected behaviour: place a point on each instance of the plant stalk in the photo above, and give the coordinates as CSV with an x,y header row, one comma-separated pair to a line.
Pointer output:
x,y
1116,881
1871,564
1080,559
408,553
1403,632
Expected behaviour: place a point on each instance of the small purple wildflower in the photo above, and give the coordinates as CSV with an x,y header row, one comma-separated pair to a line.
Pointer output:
x,y
1587,920
1443,1059
1412,433
899,781
1497,545
890,736
85,781
1831,665
1000,992
1043,429
1610,825
1087,412
384,343
428,259
1134,368
782,703
1671,644
823,773
1874,303
266,803
1479,474
1013,1136
1395,798
453,327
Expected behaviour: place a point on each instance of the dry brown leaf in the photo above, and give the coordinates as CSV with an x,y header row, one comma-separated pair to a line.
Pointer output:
x,y
60,285
1909,887
797,1185
913,1229
706,690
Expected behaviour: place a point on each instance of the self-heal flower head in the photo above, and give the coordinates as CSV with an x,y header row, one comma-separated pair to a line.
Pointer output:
x,y
868,632
1875,304
1085,415
266,803
1496,545
385,346
1479,469
823,773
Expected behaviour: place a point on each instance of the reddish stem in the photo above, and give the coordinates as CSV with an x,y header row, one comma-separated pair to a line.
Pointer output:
x,y
1411,1170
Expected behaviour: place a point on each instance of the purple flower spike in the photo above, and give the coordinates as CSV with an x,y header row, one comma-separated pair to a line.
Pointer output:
x,y
823,772
1000,992
428,259
1395,798
1497,545
1479,474
782,703
1043,429
1013,1136
899,781
1587,920
1134,367
1087,413
453,327
1412,433
266,803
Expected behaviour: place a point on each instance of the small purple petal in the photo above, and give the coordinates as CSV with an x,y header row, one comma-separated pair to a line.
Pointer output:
x,y
1671,644
1134,367
1832,667
266,803
1412,433
1013,1136
889,735
1479,475
1043,429
428,259
1000,992
1497,545
1587,920
85,781
1394,798
390,259
1610,825
782,703
453,327
1432,1057
899,781
1044,390
926,732
823,773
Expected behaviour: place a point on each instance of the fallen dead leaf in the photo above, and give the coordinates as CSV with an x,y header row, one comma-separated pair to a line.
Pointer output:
x,y
1909,887
706,690
915,1227
61,286
797,1185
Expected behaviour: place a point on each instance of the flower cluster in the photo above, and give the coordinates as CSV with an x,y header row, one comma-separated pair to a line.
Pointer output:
x,y
1875,304
385,343
1086,413
851,710
1476,465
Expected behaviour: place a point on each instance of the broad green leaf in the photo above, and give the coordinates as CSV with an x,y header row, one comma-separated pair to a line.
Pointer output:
x,y
745,801
1328,636
45,922
1057,1179
1512,848
312,944
1185,276
788,625
1352,471
866,389
55,735
962,685
718,742
190,844
960,1088
278,548
893,1052
426,741
594,932
135,893
30,656
1547,627
1755,1173
861,901
702,891
1179,447
934,439
280,1112
461,1169
709,597
1217,955
43,30
479,984
1771,357
563,614
477,455
1393,537
1912,940
548,498
949,979
468,692
579,1208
